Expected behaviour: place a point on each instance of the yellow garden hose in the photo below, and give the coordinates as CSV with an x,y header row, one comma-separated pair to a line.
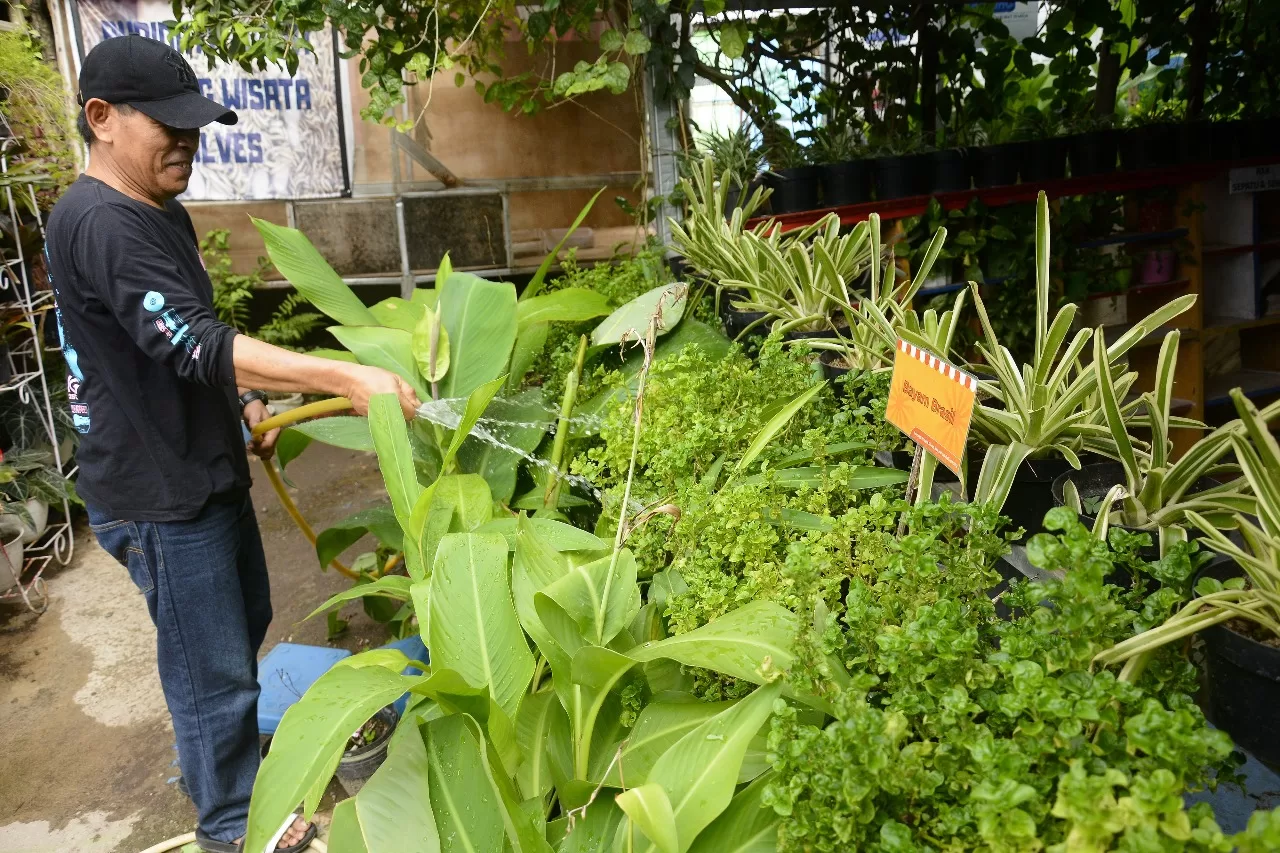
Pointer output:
x,y
289,418
178,842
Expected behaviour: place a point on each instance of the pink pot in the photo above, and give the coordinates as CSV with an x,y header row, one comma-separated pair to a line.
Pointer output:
x,y
1159,266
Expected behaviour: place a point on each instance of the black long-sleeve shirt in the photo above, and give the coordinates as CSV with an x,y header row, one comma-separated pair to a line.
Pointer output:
x,y
150,380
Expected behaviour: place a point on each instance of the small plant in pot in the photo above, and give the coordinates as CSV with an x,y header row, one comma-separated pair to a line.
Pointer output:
x,y
1237,608
366,750
999,155
29,484
949,160
1093,148
1147,490
840,151
1043,414
901,167
737,153
792,176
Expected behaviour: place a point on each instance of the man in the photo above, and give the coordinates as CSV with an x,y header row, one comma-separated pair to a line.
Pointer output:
x,y
154,379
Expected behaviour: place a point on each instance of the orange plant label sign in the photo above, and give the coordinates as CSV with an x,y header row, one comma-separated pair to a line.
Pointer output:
x,y
932,402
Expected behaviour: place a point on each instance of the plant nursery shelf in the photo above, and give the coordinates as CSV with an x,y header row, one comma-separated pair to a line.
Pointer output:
x,y
1212,251
1137,237
1224,325
1254,383
1017,194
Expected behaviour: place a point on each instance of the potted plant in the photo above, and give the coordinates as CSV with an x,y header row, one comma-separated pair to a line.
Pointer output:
x,y
792,176
29,484
1093,149
366,750
1037,124
1000,155
949,164
900,168
1047,416
738,153
840,151
1235,612
1146,489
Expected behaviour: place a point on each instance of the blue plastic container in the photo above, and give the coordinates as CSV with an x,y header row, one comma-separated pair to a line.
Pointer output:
x,y
285,674
413,649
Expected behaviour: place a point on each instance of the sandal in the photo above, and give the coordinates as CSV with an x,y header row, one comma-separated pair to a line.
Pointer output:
x,y
211,845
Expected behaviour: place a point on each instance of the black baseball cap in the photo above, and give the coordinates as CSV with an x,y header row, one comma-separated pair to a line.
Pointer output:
x,y
151,77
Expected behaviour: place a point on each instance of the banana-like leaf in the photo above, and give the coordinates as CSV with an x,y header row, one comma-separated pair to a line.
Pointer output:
x,y
534,723
601,597
649,812
570,305
699,773
395,459
312,731
390,349
379,520
748,825
307,270
556,534
667,301
430,345
472,625
344,829
345,431
398,313
394,587
479,317
403,778
738,643
468,812
529,345
659,726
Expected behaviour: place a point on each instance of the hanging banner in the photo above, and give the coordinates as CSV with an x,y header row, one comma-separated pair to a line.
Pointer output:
x,y
932,402
288,142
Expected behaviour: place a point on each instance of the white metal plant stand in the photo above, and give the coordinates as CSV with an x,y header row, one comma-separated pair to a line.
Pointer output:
x,y
21,578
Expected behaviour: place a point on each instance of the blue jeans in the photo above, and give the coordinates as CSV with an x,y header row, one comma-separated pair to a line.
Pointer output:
x,y
205,581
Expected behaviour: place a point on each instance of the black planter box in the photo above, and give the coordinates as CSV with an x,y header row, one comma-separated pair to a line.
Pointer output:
x,y
1044,160
950,170
1154,146
844,183
794,190
998,165
901,176
1092,153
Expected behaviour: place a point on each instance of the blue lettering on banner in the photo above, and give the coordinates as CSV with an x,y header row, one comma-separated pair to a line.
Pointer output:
x,y
255,94
303,90
232,147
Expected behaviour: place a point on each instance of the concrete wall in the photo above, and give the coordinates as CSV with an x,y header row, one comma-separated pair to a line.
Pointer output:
x,y
599,134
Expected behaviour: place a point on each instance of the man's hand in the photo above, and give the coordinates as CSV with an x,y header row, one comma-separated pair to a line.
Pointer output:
x,y
262,445
365,381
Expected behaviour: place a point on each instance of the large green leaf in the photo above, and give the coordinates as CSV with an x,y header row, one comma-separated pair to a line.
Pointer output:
x,y
649,811
390,349
398,313
699,773
535,566
467,809
395,454
394,806
480,319
556,534
345,431
592,833
467,496
289,446
344,829
472,625
379,520
534,723
633,318
602,596
736,644
746,826
570,305
308,271
659,726
311,732
394,587
529,345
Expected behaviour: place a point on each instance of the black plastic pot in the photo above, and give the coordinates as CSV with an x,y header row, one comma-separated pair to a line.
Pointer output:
x,y
1096,479
355,767
1242,681
998,165
1044,160
736,195
794,190
831,372
848,182
1031,495
1153,146
1092,153
818,334
950,170
1224,141
901,176
735,322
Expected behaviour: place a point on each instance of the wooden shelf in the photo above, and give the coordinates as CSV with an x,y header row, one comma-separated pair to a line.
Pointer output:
x,y
1136,237
1254,383
1223,325
1219,250
1017,194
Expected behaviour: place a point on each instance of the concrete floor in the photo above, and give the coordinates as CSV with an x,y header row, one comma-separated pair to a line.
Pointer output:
x,y
88,753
